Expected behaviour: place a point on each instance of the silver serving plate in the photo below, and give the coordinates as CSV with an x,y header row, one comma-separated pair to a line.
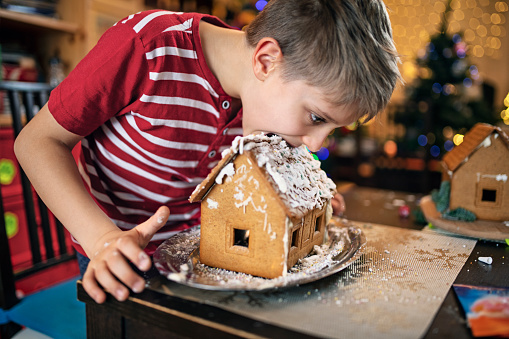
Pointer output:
x,y
178,259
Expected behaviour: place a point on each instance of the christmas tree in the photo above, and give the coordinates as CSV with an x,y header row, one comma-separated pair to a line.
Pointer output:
x,y
445,99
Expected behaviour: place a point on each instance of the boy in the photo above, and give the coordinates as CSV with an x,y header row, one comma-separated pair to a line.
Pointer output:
x,y
159,98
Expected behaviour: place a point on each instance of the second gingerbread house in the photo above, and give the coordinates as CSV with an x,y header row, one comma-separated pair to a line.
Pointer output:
x,y
264,206
478,173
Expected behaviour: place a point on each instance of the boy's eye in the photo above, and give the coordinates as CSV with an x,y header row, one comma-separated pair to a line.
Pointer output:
x,y
315,119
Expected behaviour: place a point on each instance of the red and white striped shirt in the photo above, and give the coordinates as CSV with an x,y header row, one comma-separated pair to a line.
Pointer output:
x,y
154,117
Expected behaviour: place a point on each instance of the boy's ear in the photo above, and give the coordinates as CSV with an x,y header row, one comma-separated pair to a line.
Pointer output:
x,y
265,57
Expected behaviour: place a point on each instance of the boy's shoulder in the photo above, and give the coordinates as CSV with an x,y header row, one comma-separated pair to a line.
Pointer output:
x,y
165,21
158,20
150,24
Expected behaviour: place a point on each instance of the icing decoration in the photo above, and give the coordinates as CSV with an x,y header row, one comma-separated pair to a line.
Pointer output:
x,y
228,171
486,260
212,204
497,177
486,142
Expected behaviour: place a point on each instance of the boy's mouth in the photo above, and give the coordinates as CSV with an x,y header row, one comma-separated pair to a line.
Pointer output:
x,y
289,143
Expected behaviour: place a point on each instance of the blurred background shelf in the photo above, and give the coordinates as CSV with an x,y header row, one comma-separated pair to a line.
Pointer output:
x,y
34,21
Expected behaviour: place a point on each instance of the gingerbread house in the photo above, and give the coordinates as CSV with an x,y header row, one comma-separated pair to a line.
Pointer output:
x,y
263,207
477,170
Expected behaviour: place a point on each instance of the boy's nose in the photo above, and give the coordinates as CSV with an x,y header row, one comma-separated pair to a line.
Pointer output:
x,y
314,142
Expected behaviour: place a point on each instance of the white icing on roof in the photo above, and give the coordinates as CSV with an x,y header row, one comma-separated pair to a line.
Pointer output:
x,y
228,170
486,142
292,171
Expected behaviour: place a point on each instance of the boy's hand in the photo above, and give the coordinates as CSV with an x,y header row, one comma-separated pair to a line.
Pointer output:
x,y
338,204
109,265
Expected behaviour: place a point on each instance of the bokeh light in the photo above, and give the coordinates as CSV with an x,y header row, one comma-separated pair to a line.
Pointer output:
x,y
351,127
422,140
448,145
366,170
260,5
467,82
434,151
390,148
448,132
458,139
323,153
505,113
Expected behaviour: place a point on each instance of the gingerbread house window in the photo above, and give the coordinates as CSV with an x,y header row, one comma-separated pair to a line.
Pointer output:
x,y
241,237
296,235
489,193
320,221
239,241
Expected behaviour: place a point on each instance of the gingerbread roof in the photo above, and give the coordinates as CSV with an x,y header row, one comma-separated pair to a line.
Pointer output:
x,y
292,171
472,140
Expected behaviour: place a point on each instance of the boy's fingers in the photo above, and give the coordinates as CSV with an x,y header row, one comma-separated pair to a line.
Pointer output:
x,y
134,253
92,288
119,267
109,273
338,204
152,225
110,283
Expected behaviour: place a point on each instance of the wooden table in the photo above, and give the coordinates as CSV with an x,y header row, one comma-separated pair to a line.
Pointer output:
x,y
155,314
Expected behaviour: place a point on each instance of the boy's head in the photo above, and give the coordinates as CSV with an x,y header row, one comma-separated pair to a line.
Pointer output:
x,y
342,47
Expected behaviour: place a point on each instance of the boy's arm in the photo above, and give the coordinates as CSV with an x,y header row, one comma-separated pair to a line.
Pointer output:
x,y
43,148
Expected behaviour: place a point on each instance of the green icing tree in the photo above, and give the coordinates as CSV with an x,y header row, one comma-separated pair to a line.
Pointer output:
x,y
441,199
460,214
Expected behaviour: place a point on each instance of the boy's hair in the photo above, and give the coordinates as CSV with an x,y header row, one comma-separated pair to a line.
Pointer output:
x,y
343,47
